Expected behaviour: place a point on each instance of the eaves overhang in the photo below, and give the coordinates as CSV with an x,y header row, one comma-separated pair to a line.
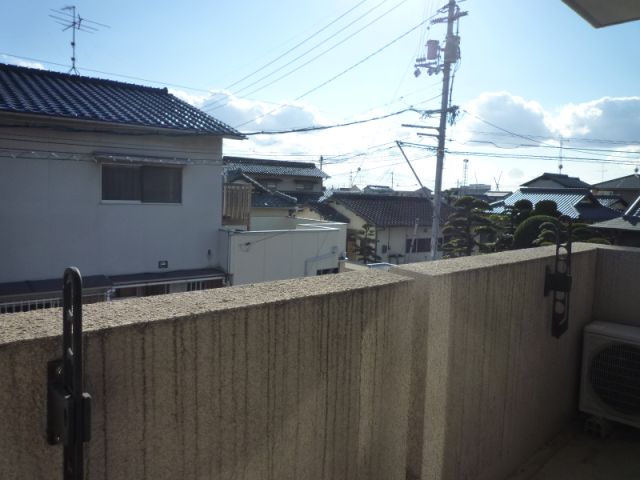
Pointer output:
x,y
601,13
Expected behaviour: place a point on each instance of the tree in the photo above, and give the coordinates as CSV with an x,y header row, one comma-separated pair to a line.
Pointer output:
x,y
507,222
546,207
467,225
528,231
580,232
367,245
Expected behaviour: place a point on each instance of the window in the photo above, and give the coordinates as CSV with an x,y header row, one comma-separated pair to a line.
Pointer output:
x,y
304,185
419,245
142,183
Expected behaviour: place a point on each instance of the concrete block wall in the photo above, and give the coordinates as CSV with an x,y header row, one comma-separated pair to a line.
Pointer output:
x,y
300,379
490,385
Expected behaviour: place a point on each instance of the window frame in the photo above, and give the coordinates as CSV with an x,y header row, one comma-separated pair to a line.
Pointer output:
x,y
140,167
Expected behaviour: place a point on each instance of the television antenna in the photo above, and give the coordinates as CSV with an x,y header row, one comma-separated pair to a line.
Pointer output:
x,y
69,18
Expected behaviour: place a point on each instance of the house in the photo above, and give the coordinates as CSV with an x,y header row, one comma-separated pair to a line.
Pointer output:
x,y
121,180
277,186
627,188
576,203
271,228
396,227
378,190
555,180
625,230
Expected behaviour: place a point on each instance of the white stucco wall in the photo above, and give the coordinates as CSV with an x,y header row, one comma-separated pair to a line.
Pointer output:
x,y
52,214
396,240
259,256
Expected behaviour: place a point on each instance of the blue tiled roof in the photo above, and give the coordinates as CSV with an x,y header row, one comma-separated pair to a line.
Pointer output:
x,y
274,167
576,203
42,92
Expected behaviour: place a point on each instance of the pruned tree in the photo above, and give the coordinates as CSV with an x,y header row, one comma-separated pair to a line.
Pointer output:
x,y
467,227
508,221
367,244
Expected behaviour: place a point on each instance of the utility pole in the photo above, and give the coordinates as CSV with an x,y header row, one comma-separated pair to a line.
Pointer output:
x,y
433,63
321,160
451,55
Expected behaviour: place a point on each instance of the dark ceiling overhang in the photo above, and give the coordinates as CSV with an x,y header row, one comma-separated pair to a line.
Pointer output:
x,y
603,13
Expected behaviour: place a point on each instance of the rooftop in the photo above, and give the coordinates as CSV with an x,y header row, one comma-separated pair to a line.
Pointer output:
x,y
628,182
43,93
576,203
387,210
274,167
562,179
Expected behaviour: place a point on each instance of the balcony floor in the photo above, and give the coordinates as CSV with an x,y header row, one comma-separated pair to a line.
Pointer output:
x,y
580,456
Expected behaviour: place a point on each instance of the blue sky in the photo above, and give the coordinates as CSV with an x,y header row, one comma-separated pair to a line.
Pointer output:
x,y
532,68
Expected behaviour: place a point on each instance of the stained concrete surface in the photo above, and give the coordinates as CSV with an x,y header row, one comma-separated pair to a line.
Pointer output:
x,y
575,455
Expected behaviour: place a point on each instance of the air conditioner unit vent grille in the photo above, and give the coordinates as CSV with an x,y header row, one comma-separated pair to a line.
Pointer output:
x,y
614,375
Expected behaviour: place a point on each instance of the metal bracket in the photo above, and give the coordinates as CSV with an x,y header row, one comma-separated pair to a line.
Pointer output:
x,y
68,407
559,281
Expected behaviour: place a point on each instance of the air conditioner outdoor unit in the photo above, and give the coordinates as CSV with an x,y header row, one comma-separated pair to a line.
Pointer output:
x,y
610,383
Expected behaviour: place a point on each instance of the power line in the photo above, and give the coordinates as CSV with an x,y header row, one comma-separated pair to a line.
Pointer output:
x,y
297,45
290,72
335,77
327,127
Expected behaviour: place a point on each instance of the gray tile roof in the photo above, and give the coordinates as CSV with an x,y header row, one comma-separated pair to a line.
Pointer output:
x,y
562,179
611,201
576,203
274,167
387,210
52,94
630,182
329,213
630,221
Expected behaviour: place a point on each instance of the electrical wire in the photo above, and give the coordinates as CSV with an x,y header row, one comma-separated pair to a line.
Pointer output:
x,y
297,45
327,127
215,107
335,77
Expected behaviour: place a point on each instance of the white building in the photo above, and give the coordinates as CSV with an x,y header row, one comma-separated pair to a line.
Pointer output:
x,y
120,180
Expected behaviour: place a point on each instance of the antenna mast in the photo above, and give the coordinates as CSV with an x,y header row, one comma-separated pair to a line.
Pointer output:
x,y
69,18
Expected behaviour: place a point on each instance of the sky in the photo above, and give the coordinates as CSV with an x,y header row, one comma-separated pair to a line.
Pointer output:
x,y
533,76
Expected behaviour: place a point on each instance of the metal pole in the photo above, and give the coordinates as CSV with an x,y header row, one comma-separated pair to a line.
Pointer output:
x,y
437,193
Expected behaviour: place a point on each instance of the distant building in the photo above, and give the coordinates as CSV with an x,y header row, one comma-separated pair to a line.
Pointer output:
x,y
378,190
576,203
625,229
398,227
627,188
556,180
272,230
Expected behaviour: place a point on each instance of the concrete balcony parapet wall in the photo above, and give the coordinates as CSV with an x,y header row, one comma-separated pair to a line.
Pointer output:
x,y
438,370
299,379
490,385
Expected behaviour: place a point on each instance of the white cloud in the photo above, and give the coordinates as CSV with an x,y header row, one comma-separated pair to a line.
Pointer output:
x,y
505,110
22,62
611,118
255,115
604,118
